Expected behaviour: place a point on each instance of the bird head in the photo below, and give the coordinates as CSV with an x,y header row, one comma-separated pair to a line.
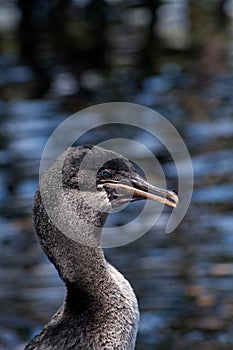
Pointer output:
x,y
112,178
77,192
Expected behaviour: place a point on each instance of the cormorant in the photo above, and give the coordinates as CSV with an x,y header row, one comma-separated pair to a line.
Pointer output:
x,y
100,310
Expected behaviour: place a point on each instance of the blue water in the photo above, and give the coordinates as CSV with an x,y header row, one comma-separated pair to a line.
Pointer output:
x,y
183,280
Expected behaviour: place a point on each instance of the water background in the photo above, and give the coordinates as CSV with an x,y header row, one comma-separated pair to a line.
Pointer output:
x,y
173,56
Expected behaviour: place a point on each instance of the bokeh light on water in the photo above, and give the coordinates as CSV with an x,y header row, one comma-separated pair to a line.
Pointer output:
x,y
173,56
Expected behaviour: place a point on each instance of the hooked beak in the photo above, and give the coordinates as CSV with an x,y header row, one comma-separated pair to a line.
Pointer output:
x,y
141,189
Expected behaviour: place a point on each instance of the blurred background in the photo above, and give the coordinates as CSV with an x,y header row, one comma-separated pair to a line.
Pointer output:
x,y
58,57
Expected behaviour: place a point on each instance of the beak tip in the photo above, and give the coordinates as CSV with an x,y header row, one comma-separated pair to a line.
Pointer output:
x,y
172,199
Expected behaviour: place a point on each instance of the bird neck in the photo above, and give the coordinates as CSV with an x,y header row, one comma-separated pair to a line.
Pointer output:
x,y
75,262
98,297
105,304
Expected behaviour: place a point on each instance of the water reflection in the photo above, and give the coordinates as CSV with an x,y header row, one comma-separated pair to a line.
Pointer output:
x,y
57,58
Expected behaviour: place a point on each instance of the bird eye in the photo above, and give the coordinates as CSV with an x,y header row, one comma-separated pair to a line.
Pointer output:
x,y
106,174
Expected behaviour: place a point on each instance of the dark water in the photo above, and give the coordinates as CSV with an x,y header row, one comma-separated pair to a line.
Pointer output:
x,y
175,57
